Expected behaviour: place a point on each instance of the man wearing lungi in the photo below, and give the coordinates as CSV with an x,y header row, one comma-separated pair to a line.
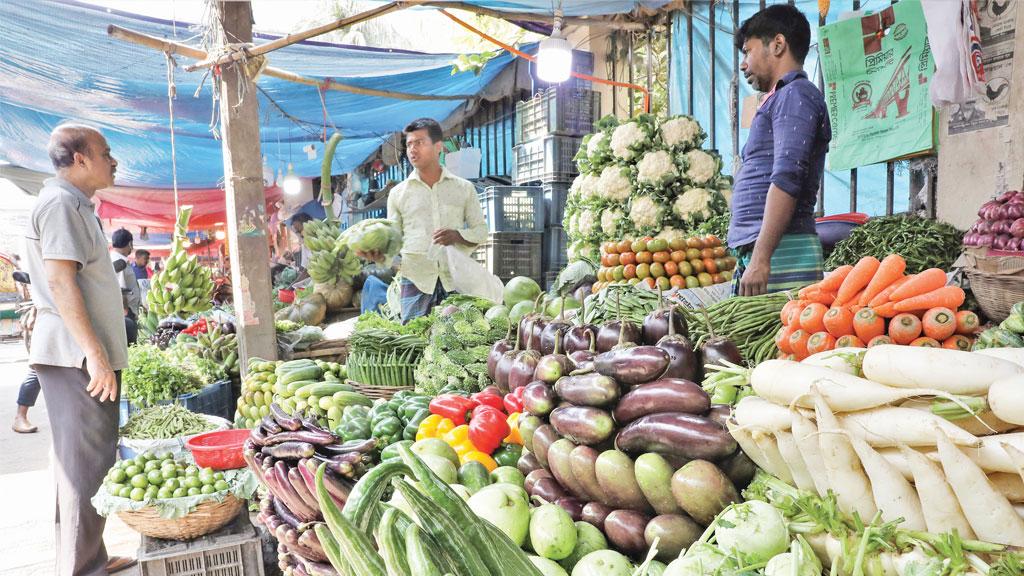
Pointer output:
x,y
775,192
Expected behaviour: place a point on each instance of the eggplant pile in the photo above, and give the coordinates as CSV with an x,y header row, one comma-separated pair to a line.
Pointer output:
x,y
621,436
284,452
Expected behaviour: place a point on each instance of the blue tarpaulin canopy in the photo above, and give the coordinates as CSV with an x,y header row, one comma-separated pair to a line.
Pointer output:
x,y
57,63
569,7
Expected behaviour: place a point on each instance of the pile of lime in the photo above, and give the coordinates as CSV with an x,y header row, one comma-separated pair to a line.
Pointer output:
x,y
152,477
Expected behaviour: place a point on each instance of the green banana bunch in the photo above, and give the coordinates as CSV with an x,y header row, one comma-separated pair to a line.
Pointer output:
x,y
320,236
184,286
220,348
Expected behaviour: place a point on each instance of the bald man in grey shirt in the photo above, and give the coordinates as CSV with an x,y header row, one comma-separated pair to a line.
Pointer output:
x,y
78,345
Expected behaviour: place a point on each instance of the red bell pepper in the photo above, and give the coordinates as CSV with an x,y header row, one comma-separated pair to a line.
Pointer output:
x,y
513,403
487,428
488,399
454,407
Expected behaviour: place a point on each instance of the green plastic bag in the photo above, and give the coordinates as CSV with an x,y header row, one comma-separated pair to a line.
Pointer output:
x,y
877,70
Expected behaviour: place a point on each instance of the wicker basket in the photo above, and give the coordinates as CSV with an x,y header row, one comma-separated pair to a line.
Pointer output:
x,y
385,392
996,293
208,517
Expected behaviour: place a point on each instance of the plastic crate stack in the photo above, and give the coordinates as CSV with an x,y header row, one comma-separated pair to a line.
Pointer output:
x,y
549,129
515,221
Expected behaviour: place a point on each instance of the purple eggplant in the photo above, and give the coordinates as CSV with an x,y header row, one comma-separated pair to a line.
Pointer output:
x,y
683,360
551,334
678,434
718,348
660,322
595,513
633,365
523,367
543,438
504,366
617,333
582,424
591,389
532,324
573,506
535,476
539,399
497,351
719,413
553,366
625,529
528,463
663,395
582,337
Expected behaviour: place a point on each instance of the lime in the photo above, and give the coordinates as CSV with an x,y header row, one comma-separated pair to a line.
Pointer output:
x,y
151,492
137,494
132,470
179,493
165,493
155,477
114,489
168,473
192,470
125,492
140,481
208,489
193,491
117,475
151,465
147,456
221,486
192,482
218,476
206,476
171,483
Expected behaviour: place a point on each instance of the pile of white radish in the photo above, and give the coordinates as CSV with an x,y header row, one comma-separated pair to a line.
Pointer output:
x,y
858,423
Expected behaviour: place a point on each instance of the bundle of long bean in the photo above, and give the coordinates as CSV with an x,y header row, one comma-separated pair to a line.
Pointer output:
x,y
636,304
750,322
923,243
384,368
380,340
163,422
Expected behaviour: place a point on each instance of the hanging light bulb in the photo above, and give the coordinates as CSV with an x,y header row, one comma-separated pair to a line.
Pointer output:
x,y
291,183
554,57
219,235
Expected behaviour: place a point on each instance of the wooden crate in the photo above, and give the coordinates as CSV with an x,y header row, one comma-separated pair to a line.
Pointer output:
x,y
326,350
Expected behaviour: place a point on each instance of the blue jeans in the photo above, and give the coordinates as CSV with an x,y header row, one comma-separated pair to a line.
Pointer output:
x,y
416,303
375,294
29,391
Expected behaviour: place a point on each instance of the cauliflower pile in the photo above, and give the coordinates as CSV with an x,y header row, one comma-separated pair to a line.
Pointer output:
x,y
656,168
614,184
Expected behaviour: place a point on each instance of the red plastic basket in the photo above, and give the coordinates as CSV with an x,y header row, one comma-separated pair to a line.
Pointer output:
x,y
220,450
286,296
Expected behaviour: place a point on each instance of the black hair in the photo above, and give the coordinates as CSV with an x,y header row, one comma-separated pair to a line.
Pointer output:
x,y
65,141
121,238
778,19
301,217
142,252
430,125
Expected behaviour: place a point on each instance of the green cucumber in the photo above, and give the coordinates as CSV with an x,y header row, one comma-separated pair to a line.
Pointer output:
x,y
473,475
353,542
346,398
420,561
296,385
323,389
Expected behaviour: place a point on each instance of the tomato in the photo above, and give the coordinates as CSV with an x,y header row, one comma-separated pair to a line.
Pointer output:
x,y
644,257
678,255
692,282
705,279
698,265
610,248
629,271
661,257
707,253
663,283
693,254
650,282
694,242
677,281
625,246
600,274
657,270
709,266
643,271
627,258
613,260
718,278
638,246
685,269
671,268
720,251
711,241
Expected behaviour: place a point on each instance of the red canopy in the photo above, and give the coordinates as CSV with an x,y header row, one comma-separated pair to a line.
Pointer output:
x,y
154,207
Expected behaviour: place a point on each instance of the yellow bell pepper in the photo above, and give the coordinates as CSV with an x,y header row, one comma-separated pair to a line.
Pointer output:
x,y
433,426
513,424
478,456
458,439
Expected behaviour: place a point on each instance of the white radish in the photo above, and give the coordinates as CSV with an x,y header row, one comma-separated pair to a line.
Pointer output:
x,y
942,512
892,425
1009,485
953,371
1015,355
894,496
805,434
785,382
897,460
794,461
755,412
745,440
990,514
992,457
1006,399
846,360
1016,456
983,424
845,475
776,463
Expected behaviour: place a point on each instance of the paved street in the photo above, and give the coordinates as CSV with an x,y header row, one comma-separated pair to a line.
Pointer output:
x,y
26,483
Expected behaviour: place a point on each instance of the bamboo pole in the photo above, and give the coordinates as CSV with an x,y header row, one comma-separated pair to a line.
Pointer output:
x,y
527,17
185,50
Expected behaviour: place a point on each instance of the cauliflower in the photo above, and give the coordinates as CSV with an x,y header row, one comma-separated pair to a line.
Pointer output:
x,y
682,132
627,139
576,188
614,184
697,204
656,169
701,167
589,187
646,214
587,222
668,233
594,143
572,224
610,221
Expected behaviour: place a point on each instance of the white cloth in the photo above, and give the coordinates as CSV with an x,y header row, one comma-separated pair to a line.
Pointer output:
x,y
954,36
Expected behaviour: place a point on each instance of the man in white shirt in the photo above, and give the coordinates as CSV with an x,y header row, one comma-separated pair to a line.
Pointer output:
x,y
434,209
122,242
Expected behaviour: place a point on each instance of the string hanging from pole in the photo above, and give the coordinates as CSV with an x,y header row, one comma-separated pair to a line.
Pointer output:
x,y
171,93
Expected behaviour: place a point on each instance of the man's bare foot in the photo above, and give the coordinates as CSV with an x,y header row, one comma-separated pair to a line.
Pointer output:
x,y
23,426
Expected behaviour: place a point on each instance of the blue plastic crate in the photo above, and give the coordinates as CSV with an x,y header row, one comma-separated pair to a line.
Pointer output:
x,y
547,159
214,399
555,244
513,208
556,194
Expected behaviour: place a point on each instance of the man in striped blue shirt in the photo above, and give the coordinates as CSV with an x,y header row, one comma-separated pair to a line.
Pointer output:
x,y
772,228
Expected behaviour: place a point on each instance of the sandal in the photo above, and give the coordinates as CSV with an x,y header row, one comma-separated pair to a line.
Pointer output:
x,y
23,427
119,563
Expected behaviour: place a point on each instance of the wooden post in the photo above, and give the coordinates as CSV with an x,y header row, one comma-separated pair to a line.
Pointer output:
x,y
246,204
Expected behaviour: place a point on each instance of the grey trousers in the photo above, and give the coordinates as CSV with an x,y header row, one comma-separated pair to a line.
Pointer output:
x,y
84,444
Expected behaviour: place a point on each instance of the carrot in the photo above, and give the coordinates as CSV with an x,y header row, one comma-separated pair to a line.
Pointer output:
x,y
782,339
820,342
835,279
811,318
904,328
887,310
867,324
890,270
967,322
925,342
883,296
946,297
957,342
850,341
924,282
857,279
939,323
786,315
826,298
879,340
802,294
838,322
798,343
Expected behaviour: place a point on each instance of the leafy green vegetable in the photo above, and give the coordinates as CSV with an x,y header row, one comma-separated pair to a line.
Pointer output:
x,y
152,376
459,344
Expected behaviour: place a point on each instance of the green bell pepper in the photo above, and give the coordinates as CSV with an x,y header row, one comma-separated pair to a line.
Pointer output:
x,y
507,454
355,428
413,406
412,425
381,410
356,410
1006,339
387,430
391,451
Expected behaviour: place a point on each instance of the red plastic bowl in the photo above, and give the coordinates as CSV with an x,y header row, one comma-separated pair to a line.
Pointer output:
x,y
220,450
286,296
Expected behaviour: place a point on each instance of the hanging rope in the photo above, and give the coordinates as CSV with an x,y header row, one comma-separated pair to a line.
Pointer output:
x,y
171,93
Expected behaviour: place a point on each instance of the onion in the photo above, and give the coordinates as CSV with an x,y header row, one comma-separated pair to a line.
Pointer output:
x,y
986,239
983,211
999,243
970,239
1013,245
1017,228
984,226
1001,227
1014,210
1006,196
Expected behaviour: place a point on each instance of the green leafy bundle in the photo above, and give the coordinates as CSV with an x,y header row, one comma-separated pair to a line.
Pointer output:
x,y
152,376
923,243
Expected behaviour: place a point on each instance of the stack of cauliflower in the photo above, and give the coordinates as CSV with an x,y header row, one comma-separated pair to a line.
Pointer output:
x,y
642,177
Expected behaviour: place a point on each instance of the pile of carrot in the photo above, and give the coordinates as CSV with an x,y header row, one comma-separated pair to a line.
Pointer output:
x,y
872,303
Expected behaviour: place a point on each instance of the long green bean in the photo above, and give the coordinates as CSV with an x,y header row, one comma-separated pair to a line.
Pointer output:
x,y
163,422
751,323
923,243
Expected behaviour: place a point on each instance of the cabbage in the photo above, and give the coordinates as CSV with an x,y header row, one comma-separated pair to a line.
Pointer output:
x,y
374,235
755,529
